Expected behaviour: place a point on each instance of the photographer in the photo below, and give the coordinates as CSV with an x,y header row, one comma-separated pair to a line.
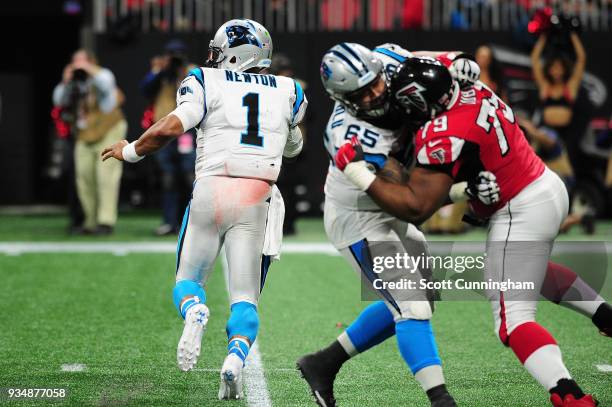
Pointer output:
x,y
177,160
558,80
90,101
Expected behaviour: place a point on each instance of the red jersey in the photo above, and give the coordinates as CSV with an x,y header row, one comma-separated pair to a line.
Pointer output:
x,y
479,132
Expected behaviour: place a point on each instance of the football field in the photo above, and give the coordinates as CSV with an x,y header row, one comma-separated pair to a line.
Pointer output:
x,y
95,316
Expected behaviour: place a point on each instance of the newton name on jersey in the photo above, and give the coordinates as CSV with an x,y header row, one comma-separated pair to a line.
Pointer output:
x,y
244,121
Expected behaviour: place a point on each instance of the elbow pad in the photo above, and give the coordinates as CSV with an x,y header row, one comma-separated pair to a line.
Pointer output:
x,y
295,142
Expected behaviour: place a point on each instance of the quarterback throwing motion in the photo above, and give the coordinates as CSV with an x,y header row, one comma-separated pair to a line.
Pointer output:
x,y
246,122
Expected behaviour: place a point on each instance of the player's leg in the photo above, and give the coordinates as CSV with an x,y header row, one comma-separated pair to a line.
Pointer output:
x,y
170,198
198,247
563,286
108,175
375,323
85,171
411,324
412,311
247,269
518,246
372,326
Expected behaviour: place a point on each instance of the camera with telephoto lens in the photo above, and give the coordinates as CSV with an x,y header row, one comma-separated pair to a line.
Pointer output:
x,y
76,90
79,75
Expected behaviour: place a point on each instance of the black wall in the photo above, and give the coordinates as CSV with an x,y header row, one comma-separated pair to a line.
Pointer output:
x,y
35,49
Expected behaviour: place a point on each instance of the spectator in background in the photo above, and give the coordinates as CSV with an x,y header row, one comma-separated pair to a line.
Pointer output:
x,y
91,99
490,70
558,81
177,160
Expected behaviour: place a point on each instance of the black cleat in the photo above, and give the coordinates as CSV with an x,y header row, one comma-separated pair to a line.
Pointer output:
x,y
439,397
445,401
602,319
319,377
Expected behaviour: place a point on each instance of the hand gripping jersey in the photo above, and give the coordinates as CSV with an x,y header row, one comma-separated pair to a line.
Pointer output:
x,y
245,120
479,132
376,142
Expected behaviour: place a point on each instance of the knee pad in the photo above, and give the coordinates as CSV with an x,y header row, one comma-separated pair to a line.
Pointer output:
x,y
187,288
418,310
243,321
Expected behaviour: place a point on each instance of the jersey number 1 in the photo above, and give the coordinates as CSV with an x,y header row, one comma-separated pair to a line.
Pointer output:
x,y
252,137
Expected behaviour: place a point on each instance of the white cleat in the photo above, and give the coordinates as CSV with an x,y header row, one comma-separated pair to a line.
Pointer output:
x,y
231,378
189,346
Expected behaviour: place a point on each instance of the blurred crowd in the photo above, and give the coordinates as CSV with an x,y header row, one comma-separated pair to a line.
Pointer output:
x,y
333,15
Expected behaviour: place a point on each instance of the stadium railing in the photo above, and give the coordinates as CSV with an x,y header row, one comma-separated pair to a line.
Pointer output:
x,y
344,15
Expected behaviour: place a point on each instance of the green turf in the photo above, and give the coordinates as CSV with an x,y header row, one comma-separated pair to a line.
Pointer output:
x,y
139,227
114,314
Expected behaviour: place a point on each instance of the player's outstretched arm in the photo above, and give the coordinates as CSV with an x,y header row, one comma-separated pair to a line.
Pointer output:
x,y
156,136
413,201
424,193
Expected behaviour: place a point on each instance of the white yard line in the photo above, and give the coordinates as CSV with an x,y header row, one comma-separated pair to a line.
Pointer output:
x,y
73,367
124,248
604,368
257,392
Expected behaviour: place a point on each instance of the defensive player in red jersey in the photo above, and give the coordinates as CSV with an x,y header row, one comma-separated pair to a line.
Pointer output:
x,y
463,133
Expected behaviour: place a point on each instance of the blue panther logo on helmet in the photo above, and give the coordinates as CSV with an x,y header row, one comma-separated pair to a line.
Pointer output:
x,y
238,35
325,71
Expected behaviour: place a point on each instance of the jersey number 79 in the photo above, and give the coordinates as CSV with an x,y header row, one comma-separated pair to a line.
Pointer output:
x,y
488,117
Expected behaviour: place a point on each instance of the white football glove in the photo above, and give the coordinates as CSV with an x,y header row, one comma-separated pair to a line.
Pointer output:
x,y
465,71
485,188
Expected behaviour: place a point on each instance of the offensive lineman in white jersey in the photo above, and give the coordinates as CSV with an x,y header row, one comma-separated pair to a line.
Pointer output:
x,y
246,123
351,74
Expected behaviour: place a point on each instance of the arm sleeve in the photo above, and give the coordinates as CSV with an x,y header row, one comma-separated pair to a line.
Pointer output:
x,y
190,101
294,144
104,81
299,105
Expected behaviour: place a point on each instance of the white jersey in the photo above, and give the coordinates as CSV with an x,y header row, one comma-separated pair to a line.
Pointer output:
x,y
244,121
376,142
349,212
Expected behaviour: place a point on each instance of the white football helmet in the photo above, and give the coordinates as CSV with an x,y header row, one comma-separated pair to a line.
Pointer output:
x,y
239,45
347,69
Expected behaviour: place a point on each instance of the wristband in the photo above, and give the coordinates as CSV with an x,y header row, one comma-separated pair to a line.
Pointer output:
x,y
458,193
359,174
129,153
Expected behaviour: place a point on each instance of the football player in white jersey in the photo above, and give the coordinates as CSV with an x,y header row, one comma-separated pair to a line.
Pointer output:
x,y
356,78
246,123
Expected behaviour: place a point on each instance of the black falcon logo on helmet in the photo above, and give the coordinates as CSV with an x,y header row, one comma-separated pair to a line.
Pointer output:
x,y
412,95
